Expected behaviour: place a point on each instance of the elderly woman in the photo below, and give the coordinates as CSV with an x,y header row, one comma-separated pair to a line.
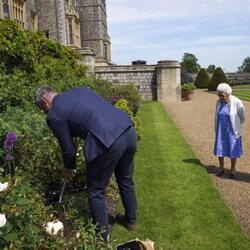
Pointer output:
x,y
229,116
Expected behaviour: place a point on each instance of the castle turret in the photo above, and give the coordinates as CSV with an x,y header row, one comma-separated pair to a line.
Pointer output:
x,y
93,23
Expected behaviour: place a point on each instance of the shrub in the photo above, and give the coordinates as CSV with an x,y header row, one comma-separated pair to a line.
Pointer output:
x,y
26,217
114,93
16,90
25,50
186,76
123,105
217,78
37,151
28,60
202,79
38,172
102,87
129,93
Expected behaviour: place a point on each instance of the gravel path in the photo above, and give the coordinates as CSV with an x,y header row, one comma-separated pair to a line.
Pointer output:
x,y
195,120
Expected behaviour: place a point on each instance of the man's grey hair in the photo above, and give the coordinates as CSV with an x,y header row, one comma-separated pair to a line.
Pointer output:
x,y
41,93
225,88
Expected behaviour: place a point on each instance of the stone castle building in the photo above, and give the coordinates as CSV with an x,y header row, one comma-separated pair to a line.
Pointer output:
x,y
80,24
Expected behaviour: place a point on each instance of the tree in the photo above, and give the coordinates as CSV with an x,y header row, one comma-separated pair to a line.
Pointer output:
x,y
245,67
211,68
202,79
190,63
217,78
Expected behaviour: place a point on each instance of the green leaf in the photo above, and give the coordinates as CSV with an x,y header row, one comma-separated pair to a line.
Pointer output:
x,y
32,229
11,237
6,228
23,202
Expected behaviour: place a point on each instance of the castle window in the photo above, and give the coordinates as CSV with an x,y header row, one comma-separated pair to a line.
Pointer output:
x,y
71,34
74,32
6,11
33,21
19,12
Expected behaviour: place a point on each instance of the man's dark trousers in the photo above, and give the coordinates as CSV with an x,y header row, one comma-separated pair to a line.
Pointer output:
x,y
119,158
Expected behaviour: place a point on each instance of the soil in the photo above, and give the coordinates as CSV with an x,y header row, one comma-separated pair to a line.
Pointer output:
x,y
52,198
195,120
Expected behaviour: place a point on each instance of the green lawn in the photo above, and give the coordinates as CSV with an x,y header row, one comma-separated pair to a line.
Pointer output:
x,y
242,86
243,94
242,91
178,205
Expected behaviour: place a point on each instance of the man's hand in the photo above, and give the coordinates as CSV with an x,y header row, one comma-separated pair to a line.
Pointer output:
x,y
67,173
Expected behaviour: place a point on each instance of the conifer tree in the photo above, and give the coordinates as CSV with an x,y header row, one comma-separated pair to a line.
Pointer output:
x,y
217,78
202,79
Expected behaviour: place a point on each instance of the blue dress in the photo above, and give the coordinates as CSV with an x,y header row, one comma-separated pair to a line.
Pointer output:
x,y
226,144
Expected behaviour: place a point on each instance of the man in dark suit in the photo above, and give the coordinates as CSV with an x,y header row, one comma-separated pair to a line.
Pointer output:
x,y
109,146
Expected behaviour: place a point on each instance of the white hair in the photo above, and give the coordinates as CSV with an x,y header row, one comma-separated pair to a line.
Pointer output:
x,y
225,88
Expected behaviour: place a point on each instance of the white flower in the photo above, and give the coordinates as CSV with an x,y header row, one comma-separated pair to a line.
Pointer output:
x,y
78,235
54,227
2,220
3,186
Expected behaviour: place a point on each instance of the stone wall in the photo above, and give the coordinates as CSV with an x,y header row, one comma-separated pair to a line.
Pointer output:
x,y
142,76
154,82
47,18
30,8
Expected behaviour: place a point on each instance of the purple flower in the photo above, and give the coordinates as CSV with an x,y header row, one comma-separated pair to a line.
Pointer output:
x,y
8,158
115,99
11,137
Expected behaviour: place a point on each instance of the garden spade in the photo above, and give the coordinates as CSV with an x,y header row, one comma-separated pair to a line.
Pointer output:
x,y
58,205
62,191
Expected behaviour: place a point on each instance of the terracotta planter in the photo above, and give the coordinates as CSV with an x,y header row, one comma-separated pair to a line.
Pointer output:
x,y
188,95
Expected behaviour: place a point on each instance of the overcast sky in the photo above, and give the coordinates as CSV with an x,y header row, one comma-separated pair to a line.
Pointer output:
x,y
215,31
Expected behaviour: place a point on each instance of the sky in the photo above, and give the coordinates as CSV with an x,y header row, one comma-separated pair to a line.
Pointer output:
x,y
215,31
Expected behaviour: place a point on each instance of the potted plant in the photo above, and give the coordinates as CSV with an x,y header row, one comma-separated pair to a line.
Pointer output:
x,y
187,90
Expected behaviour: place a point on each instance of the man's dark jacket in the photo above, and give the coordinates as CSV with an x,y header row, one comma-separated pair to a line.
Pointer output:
x,y
80,112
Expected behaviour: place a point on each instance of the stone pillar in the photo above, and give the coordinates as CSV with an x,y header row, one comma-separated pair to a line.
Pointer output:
x,y
168,78
88,58
61,22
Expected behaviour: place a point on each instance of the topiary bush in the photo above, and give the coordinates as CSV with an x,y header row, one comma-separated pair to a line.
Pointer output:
x,y
217,78
202,80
